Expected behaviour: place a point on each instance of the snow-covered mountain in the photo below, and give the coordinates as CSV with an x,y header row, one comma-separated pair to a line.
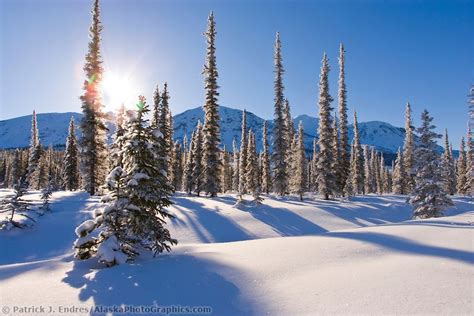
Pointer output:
x,y
53,129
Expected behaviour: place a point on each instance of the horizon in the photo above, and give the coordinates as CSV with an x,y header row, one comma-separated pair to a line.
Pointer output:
x,y
167,45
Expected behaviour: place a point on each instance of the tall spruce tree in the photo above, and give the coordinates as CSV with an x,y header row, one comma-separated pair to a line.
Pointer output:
x,y
367,171
468,186
71,161
165,128
189,165
326,176
428,198
408,150
358,163
35,150
280,132
93,141
251,170
226,173
343,122
266,174
448,168
211,129
336,161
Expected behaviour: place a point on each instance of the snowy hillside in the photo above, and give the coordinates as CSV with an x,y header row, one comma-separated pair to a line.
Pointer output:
x,y
53,129
363,256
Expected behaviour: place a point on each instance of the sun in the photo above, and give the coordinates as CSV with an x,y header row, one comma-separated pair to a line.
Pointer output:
x,y
117,90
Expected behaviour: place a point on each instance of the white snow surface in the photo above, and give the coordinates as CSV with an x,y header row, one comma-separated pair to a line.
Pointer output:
x,y
284,257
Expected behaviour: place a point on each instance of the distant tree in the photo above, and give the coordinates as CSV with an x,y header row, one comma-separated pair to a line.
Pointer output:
x,y
428,198
266,173
189,166
280,132
461,168
399,174
235,169
298,183
226,173
367,171
93,140
71,160
198,170
469,184
336,161
35,150
448,168
252,180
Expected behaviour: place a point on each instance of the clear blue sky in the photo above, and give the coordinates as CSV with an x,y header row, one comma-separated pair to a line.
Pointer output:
x,y
397,51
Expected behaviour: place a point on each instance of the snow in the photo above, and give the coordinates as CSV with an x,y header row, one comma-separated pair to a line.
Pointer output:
x,y
284,257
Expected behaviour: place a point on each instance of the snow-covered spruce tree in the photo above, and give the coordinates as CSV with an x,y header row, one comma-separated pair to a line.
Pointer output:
x,y
448,168
378,175
348,187
40,176
387,181
343,121
156,113
184,162
326,176
461,168
35,150
165,128
290,128
382,174
314,167
46,194
335,164
408,150
211,129
266,175
428,198
235,166
136,204
115,149
469,184
298,183
15,206
199,167
176,167
15,173
243,156
71,160
252,178
189,166
226,172
399,174
93,141
280,132
367,171
358,174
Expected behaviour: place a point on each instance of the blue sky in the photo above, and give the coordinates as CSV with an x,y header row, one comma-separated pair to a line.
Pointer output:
x,y
397,51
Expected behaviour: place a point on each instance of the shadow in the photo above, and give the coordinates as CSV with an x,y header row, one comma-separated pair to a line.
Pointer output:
x,y
404,245
179,280
210,225
283,221
52,236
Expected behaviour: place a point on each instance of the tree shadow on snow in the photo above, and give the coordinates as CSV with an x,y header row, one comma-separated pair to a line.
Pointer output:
x,y
404,245
209,224
169,280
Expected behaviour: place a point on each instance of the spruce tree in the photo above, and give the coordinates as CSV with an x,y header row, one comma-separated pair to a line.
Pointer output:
x,y
428,198
358,175
189,165
448,169
298,183
135,215
349,187
289,127
211,129
266,175
367,171
226,174
336,161
469,184
280,132
177,167
461,168
35,150
156,113
198,170
314,167
326,176
93,141
399,174
71,160
243,156
343,122
408,150
235,169
251,170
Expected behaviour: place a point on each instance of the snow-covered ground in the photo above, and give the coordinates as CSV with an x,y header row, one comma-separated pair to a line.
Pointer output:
x,y
284,257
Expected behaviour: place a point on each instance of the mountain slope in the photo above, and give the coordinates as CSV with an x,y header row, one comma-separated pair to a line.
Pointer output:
x,y
53,129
